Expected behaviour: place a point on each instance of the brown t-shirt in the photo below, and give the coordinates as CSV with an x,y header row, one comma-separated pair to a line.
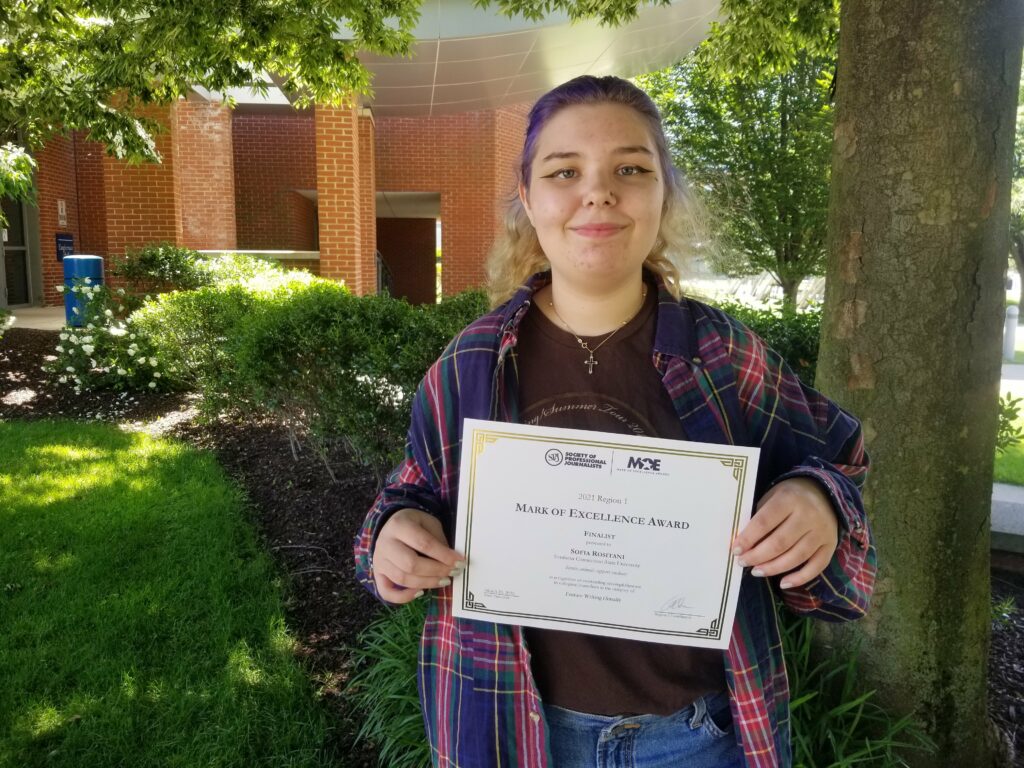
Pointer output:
x,y
588,673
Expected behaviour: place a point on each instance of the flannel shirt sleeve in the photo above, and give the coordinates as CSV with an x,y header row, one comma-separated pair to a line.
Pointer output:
x,y
804,434
415,483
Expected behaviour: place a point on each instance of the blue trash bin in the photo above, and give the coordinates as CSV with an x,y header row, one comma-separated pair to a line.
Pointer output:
x,y
76,269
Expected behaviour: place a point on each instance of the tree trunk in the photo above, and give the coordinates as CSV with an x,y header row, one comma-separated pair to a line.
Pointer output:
x,y
918,236
790,293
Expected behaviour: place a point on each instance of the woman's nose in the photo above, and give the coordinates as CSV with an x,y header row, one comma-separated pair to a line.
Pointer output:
x,y
600,192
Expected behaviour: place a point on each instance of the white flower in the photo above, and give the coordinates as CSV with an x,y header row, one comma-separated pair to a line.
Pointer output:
x,y
92,363
87,281
60,348
90,327
117,330
132,336
74,310
120,307
120,291
121,371
131,351
153,361
62,379
70,369
152,385
87,339
60,289
156,374
74,339
88,348
63,337
108,313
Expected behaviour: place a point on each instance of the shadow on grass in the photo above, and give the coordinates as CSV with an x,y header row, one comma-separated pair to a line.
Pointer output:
x,y
142,622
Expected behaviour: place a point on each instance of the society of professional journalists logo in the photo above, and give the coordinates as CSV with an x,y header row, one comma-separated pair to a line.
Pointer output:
x,y
553,457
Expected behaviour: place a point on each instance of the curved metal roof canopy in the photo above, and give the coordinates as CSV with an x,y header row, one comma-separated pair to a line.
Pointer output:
x,y
467,58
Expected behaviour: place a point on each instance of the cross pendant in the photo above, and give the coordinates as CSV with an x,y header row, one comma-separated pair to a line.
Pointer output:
x,y
590,363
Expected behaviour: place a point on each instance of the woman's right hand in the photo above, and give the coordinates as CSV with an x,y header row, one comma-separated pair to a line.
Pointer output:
x,y
411,555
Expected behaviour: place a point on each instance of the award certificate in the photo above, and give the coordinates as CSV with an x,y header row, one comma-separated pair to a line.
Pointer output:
x,y
601,533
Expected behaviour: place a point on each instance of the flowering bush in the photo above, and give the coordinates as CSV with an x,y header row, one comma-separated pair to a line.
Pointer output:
x,y
107,351
6,321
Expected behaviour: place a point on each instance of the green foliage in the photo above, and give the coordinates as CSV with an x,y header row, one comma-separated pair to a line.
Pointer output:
x,y
16,169
334,367
794,335
92,64
758,152
1009,432
108,351
6,319
384,687
608,12
1002,612
346,368
197,333
162,267
835,723
142,618
766,37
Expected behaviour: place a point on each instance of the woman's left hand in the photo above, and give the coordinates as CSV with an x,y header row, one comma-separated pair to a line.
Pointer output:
x,y
795,532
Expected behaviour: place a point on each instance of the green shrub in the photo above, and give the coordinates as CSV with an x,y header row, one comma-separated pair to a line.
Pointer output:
x,y
835,723
6,320
794,335
108,351
384,687
345,368
161,267
198,332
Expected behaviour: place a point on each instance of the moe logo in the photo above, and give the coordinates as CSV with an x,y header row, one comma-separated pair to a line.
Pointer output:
x,y
642,462
553,457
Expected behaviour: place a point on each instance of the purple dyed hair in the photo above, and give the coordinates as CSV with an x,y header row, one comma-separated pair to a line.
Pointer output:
x,y
585,90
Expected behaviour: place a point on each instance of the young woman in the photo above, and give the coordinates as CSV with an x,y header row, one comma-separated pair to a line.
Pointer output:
x,y
592,333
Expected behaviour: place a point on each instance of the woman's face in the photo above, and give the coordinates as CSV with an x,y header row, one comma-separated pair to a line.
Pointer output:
x,y
595,194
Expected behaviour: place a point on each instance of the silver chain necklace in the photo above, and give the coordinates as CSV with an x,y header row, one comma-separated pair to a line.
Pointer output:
x,y
591,361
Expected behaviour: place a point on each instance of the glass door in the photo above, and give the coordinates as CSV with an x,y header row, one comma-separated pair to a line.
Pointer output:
x,y
14,255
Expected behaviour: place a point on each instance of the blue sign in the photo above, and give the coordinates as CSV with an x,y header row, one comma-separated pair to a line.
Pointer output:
x,y
65,246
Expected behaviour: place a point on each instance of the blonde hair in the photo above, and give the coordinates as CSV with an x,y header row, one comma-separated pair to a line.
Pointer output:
x,y
517,254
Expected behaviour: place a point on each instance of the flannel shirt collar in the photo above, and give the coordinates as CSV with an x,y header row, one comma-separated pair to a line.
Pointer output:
x,y
675,336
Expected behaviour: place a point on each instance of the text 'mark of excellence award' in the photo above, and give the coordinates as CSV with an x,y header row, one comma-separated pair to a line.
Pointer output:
x,y
601,533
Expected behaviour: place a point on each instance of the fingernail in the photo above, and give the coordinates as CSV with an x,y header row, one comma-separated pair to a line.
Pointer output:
x,y
737,550
741,563
756,572
785,584
444,582
418,594
455,572
459,565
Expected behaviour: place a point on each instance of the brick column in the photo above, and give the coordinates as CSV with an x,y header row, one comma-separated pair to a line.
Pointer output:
x,y
367,202
141,200
204,176
339,195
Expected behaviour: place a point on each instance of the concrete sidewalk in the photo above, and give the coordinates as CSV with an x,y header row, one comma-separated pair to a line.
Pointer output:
x,y
40,318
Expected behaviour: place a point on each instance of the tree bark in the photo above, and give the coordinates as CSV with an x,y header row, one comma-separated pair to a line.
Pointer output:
x,y
918,236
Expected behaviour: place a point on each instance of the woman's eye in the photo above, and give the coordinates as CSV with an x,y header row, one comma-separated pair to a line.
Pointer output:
x,y
564,173
632,170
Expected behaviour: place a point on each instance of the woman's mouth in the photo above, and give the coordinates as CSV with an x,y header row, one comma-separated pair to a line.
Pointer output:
x,y
597,230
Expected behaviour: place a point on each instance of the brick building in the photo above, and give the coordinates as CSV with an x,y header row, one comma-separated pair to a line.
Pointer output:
x,y
349,193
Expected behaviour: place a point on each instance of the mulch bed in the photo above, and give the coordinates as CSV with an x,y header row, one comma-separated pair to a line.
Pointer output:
x,y
308,522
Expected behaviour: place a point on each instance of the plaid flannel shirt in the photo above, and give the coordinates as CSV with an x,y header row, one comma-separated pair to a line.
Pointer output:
x,y
480,705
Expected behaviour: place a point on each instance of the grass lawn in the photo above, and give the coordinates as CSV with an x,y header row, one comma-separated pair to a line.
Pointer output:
x,y
141,623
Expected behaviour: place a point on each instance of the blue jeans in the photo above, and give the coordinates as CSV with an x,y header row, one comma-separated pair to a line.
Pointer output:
x,y
700,736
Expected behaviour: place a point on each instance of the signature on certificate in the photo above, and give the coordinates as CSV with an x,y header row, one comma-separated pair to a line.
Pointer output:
x,y
675,603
